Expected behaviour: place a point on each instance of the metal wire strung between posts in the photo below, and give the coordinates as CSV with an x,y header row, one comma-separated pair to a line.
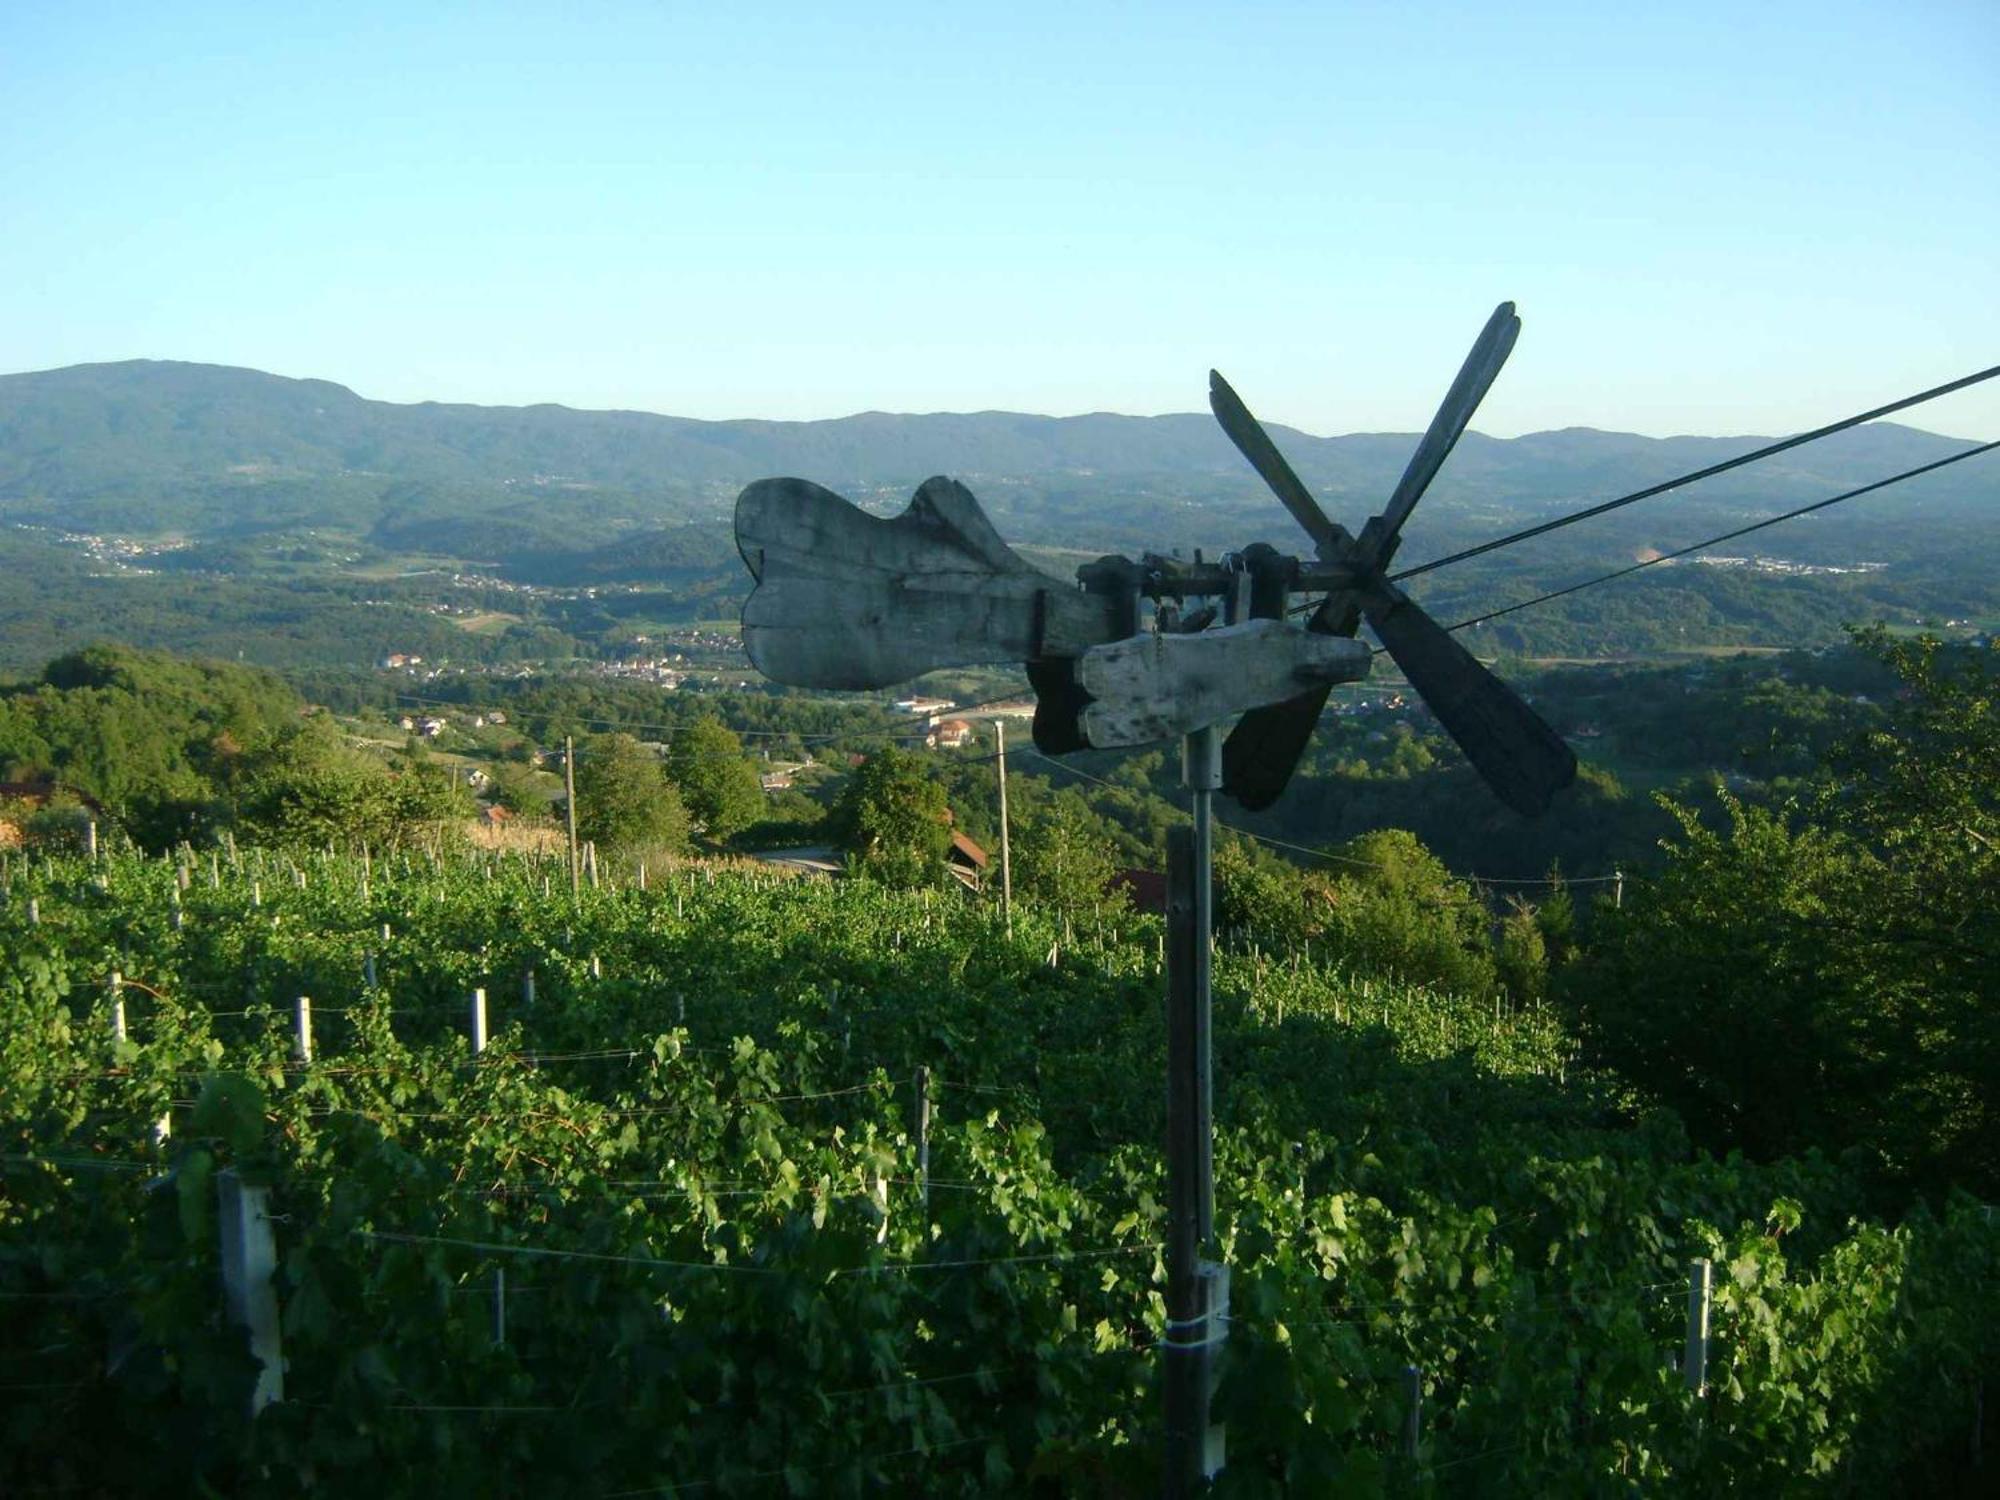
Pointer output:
x,y
1727,536
1713,469
1347,859
680,1485
491,1247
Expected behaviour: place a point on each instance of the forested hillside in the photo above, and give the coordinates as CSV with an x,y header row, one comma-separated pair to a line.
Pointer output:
x,y
212,509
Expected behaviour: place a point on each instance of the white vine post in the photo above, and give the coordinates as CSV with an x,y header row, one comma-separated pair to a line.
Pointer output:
x,y
303,1044
924,1136
117,989
1694,1364
1413,1410
249,1262
478,1021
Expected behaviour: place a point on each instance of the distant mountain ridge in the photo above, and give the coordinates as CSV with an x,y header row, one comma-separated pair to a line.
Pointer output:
x,y
300,513
214,453
85,426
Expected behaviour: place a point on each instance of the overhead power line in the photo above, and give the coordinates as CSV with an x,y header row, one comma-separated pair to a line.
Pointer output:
x,y
1713,469
1727,536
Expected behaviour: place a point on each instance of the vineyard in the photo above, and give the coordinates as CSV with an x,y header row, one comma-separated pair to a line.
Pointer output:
x,y
738,1184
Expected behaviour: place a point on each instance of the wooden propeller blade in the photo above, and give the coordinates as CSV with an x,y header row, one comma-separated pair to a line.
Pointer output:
x,y
1454,414
1255,444
1265,747
1261,752
1521,758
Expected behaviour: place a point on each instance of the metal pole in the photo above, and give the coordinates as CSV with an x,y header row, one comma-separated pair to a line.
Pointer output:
x,y
1203,770
1006,851
569,789
1196,1288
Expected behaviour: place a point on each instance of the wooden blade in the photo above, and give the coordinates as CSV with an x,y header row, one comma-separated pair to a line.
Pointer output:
x,y
1263,750
1255,444
1521,758
1475,379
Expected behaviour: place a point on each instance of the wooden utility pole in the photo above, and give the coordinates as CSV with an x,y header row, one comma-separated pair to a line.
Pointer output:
x,y
569,808
1006,851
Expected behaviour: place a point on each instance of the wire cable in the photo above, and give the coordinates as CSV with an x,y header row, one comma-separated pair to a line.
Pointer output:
x,y
1727,536
1713,469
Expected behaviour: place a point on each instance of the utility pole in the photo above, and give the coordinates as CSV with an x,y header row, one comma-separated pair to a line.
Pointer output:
x,y
1006,852
569,788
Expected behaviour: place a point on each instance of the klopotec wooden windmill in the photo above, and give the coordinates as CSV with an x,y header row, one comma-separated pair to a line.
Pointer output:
x,y
847,600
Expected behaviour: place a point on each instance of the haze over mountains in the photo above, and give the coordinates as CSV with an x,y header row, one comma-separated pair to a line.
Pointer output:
x,y
149,445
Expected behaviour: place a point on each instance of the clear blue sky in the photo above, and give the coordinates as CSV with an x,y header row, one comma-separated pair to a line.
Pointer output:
x,y
1743,217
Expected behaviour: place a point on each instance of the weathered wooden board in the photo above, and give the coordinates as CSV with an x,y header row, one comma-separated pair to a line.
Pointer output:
x,y
1154,687
849,600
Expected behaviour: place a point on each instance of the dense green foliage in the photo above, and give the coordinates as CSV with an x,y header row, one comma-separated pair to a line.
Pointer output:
x,y
698,1171
720,787
171,749
893,820
1825,972
149,737
624,799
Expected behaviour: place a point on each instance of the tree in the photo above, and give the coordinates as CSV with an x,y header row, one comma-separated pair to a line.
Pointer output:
x,y
1394,907
1824,973
307,786
1064,857
894,820
623,797
1521,962
519,789
723,793
424,800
